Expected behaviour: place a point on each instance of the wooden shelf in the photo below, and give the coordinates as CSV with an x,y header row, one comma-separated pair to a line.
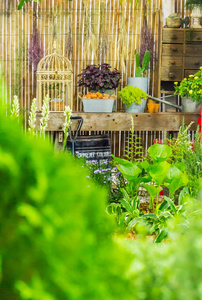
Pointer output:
x,y
121,121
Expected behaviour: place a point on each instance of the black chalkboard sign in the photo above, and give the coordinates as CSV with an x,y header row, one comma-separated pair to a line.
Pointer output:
x,y
91,148
94,147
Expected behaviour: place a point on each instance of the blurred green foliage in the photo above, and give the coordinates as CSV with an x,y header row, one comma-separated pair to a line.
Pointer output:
x,y
55,240
172,270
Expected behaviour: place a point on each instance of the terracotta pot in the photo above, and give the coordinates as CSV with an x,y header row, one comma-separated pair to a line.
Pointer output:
x,y
156,107
151,101
151,107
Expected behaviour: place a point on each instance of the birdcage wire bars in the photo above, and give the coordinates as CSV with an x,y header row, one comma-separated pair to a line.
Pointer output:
x,y
55,79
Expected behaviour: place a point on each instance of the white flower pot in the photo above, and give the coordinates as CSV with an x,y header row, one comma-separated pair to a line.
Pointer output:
x,y
98,105
136,108
196,14
139,82
189,106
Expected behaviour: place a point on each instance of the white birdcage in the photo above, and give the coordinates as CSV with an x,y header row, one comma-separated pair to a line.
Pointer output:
x,y
55,79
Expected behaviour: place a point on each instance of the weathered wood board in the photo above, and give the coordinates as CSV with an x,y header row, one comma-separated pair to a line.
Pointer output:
x,y
122,121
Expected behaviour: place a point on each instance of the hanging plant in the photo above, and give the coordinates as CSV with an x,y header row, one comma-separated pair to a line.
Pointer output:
x,y
35,52
146,42
69,43
91,40
103,41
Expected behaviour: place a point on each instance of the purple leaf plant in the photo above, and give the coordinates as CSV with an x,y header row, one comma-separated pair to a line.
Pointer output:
x,y
99,77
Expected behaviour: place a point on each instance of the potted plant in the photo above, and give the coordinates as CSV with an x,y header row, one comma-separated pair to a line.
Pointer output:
x,y
190,90
140,81
195,6
99,79
133,98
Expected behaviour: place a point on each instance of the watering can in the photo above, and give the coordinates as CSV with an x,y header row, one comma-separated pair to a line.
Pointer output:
x,y
165,102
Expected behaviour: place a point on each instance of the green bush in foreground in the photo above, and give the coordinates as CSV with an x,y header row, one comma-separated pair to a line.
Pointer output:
x,y
55,239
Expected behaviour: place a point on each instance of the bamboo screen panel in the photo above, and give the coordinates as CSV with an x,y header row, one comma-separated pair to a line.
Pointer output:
x,y
107,18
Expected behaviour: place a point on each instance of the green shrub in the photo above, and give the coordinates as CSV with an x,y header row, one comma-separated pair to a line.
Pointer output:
x,y
55,240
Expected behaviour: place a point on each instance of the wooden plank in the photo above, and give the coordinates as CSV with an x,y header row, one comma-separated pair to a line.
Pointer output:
x,y
122,121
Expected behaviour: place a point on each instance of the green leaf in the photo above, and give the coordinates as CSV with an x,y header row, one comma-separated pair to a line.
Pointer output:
x,y
133,223
129,170
163,206
159,153
127,206
150,216
181,166
164,215
22,2
176,183
172,174
172,205
144,165
138,72
152,190
137,59
125,194
159,171
146,60
163,234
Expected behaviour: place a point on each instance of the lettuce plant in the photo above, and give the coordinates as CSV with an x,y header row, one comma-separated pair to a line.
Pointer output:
x,y
130,94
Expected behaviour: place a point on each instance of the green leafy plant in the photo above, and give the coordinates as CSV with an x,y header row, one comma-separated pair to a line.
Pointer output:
x,y
130,94
151,174
188,154
139,71
190,87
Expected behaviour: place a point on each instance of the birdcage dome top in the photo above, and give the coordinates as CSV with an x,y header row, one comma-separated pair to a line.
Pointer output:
x,y
54,63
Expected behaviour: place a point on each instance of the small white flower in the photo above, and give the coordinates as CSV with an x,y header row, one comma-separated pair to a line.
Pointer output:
x,y
15,108
32,117
45,114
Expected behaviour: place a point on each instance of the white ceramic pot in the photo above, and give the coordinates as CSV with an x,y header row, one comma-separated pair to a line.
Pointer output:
x,y
188,105
139,82
196,14
136,108
98,105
